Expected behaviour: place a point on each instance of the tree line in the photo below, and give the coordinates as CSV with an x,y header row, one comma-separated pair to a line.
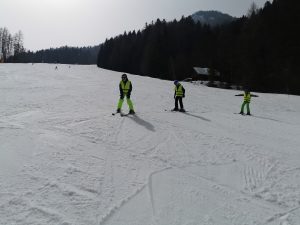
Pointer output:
x,y
12,51
10,45
259,51
65,55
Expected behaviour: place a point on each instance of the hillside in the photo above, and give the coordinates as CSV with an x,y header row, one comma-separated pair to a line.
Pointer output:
x,y
259,52
65,160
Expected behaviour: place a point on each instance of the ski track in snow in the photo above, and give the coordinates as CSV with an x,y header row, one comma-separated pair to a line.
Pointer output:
x,y
66,160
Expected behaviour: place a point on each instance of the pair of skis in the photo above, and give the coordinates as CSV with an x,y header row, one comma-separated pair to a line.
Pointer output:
x,y
167,110
244,114
122,114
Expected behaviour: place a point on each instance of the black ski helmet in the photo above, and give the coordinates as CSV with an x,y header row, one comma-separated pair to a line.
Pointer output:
x,y
124,76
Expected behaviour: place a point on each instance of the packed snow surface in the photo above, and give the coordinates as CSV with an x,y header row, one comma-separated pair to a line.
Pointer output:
x,y
66,160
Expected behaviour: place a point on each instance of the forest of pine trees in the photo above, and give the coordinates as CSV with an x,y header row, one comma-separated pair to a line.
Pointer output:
x,y
65,55
260,51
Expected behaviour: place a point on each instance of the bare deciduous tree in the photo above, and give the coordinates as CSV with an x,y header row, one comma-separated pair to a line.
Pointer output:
x,y
18,43
10,45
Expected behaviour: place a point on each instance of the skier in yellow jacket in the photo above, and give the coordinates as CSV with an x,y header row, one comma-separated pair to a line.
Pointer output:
x,y
247,98
178,95
125,88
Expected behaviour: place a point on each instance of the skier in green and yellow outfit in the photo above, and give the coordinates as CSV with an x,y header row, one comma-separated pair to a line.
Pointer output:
x,y
125,87
179,93
247,98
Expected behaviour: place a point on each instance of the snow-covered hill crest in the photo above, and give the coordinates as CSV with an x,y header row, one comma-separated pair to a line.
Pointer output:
x,y
212,18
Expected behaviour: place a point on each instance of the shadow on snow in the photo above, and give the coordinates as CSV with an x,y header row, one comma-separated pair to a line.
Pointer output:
x,y
142,122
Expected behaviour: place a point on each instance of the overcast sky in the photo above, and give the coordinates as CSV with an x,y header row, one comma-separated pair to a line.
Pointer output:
x,y
55,23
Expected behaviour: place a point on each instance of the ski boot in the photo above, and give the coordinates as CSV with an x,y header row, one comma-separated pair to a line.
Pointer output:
x,y
131,111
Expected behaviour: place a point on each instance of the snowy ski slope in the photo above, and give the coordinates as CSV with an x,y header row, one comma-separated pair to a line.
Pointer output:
x,y
65,160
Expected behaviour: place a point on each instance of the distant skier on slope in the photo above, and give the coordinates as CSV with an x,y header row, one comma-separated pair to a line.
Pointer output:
x,y
125,88
247,98
178,95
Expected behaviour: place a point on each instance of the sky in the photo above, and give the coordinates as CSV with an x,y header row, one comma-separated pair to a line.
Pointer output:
x,y
55,23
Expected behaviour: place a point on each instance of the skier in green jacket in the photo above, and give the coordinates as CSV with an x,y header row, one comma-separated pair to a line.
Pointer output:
x,y
247,98
125,88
